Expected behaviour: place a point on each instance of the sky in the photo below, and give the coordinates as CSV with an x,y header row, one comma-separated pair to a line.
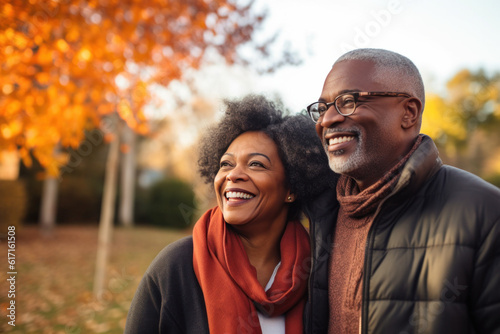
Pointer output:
x,y
440,37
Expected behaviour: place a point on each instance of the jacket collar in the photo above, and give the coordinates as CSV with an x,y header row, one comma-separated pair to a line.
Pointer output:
x,y
420,167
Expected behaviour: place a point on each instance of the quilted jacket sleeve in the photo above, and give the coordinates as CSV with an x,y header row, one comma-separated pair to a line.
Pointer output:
x,y
485,301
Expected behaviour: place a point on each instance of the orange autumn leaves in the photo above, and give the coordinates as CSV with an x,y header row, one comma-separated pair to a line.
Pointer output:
x,y
66,64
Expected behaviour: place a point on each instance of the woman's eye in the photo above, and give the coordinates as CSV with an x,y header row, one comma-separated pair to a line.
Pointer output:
x,y
224,164
257,164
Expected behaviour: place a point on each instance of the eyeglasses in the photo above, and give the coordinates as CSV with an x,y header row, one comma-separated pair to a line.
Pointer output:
x,y
345,104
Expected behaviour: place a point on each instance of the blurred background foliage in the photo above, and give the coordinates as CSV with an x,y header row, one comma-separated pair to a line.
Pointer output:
x,y
13,203
170,203
465,121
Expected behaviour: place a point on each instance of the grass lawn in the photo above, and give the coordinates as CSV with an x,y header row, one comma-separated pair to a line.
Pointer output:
x,y
55,276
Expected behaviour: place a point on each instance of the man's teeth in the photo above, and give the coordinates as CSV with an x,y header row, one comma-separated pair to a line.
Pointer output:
x,y
340,140
232,194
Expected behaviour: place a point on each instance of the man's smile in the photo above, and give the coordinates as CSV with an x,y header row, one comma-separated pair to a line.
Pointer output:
x,y
338,141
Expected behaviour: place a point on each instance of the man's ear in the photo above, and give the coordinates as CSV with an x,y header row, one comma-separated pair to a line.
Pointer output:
x,y
412,113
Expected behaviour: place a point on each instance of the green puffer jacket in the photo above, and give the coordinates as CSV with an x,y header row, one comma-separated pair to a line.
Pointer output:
x,y
432,261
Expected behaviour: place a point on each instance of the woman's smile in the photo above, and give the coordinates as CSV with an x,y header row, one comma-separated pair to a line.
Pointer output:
x,y
237,196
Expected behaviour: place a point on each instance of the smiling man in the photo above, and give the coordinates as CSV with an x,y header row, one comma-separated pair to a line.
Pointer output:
x,y
408,245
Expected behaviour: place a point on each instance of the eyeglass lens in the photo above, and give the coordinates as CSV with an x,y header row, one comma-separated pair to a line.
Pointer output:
x,y
345,105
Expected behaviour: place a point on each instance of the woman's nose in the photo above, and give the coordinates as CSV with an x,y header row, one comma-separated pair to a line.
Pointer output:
x,y
237,174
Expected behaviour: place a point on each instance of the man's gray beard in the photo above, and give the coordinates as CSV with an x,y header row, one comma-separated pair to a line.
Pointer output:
x,y
342,166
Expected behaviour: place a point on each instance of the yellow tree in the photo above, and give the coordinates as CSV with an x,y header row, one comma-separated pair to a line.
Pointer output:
x,y
67,64
466,121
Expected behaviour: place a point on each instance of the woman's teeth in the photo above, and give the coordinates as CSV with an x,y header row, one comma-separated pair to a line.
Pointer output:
x,y
232,194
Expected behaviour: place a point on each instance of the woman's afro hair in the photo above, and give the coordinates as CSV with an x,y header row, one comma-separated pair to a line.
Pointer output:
x,y
300,150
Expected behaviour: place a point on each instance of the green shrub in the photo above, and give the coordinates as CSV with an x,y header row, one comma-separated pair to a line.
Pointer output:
x,y
79,200
13,200
171,204
34,196
141,206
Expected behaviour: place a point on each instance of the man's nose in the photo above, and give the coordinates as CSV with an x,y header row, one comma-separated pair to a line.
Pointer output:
x,y
331,117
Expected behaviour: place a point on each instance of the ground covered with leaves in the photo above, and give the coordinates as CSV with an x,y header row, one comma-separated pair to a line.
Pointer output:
x,y
55,276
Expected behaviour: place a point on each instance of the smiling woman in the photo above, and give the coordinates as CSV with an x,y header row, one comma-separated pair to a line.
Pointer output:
x,y
250,185
245,268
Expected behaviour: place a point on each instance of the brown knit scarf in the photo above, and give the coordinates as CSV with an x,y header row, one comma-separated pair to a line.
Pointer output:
x,y
356,214
358,205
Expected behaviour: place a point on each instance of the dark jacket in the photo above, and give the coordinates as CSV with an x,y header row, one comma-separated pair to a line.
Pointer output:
x,y
169,298
432,261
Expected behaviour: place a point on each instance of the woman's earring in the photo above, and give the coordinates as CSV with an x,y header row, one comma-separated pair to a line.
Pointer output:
x,y
289,198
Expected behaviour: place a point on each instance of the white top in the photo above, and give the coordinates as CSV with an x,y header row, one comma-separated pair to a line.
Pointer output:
x,y
274,325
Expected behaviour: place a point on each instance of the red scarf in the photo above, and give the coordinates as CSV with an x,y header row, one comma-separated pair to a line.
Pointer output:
x,y
229,282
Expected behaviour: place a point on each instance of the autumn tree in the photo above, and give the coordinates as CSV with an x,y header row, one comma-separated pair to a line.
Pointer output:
x,y
465,121
67,64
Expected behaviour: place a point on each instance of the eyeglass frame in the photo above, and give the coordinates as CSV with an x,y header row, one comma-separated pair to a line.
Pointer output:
x,y
356,96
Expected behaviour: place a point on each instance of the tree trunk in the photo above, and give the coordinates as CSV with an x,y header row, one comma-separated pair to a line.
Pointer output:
x,y
107,214
48,206
48,203
127,182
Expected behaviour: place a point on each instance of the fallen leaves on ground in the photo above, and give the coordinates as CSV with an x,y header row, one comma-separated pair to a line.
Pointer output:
x,y
55,274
